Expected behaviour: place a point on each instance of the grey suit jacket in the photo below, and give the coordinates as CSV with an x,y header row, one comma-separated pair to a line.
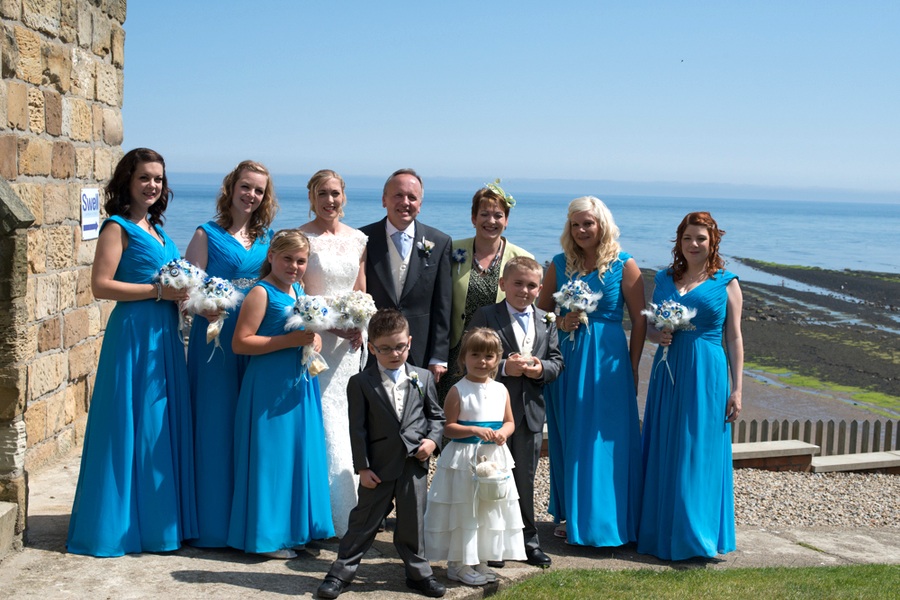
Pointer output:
x,y
381,441
425,300
526,395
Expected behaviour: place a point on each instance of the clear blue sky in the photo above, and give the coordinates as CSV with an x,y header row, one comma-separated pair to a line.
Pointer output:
x,y
765,93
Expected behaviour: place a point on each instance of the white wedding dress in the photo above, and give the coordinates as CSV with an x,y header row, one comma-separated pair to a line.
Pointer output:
x,y
332,269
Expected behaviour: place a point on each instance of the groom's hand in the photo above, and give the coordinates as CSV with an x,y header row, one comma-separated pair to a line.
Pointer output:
x,y
368,479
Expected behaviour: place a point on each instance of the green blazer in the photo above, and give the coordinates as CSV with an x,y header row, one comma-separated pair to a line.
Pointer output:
x,y
460,272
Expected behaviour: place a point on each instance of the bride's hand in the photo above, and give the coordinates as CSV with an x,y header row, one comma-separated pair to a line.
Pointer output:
x,y
354,336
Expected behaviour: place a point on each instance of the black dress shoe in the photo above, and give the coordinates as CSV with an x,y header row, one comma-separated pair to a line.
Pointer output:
x,y
536,557
428,586
331,587
496,564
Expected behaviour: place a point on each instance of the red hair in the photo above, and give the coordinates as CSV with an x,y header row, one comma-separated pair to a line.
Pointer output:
x,y
714,262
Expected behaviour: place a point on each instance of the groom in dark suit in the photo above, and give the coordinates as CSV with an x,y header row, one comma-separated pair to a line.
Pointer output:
x,y
408,268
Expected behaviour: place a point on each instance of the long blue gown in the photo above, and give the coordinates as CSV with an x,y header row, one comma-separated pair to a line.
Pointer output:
x,y
688,507
215,379
280,466
592,423
135,489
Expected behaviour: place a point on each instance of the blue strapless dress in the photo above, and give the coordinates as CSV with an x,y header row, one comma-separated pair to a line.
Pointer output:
x,y
136,485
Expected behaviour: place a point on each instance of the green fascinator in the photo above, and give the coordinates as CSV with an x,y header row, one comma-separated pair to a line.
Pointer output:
x,y
495,187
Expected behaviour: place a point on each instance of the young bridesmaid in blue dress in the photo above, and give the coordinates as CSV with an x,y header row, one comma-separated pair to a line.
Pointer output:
x,y
688,507
233,246
135,488
593,432
281,496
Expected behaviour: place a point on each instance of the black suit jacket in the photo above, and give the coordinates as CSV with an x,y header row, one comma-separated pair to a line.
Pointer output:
x,y
425,300
526,395
381,441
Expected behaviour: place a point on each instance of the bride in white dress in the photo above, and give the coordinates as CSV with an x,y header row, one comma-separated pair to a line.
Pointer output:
x,y
336,265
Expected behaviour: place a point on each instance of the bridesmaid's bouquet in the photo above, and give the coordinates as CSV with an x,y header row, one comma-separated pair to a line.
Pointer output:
x,y
352,310
670,316
181,275
216,294
310,313
577,296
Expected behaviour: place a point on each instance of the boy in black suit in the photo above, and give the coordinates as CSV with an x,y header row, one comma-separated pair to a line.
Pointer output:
x,y
531,359
396,425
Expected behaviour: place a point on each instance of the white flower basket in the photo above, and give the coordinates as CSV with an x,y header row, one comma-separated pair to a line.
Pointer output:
x,y
494,487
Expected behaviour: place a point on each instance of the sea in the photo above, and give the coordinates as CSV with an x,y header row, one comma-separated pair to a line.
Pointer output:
x,y
831,235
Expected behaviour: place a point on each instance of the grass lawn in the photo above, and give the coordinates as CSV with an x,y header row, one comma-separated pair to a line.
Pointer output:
x,y
820,583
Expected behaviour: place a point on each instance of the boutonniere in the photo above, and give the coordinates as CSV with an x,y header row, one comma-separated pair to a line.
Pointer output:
x,y
549,318
426,247
459,257
414,380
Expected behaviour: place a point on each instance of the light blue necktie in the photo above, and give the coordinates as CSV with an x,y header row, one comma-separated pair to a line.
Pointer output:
x,y
402,242
522,318
394,374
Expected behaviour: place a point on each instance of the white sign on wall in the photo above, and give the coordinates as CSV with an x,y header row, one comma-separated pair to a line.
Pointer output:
x,y
90,213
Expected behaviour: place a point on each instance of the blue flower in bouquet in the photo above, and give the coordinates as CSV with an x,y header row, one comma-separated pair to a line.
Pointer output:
x,y
180,274
576,295
670,316
310,313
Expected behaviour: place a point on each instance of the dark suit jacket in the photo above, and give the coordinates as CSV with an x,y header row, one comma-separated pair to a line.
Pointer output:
x,y
526,395
381,441
425,300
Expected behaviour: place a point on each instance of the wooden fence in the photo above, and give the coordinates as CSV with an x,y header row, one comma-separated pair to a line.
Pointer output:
x,y
832,438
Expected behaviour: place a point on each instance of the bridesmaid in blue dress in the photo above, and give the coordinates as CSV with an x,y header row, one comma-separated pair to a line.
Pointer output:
x,y
688,508
233,246
281,496
135,488
592,416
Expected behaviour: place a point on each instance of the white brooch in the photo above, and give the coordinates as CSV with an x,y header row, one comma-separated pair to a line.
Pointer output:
x,y
414,379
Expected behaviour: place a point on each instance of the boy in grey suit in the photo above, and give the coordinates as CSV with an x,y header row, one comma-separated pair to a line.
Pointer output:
x,y
396,425
531,359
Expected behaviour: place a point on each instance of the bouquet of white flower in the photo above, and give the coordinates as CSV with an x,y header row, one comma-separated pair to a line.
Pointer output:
x,y
670,316
577,296
312,314
181,275
352,310
216,294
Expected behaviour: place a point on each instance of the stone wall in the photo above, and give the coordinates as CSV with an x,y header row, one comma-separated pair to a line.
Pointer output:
x,y
60,130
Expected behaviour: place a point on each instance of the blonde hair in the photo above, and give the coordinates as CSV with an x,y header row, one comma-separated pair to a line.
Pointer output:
x,y
316,181
480,339
285,240
523,263
607,250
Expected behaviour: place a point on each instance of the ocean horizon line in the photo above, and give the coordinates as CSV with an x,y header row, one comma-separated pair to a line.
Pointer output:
x,y
583,187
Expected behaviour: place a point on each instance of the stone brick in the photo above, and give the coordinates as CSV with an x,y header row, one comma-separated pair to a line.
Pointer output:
x,y
35,110
83,65
35,423
3,103
11,9
42,15
95,325
83,295
103,164
31,287
85,250
13,391
60,249
76,400
58,67
67,282
76,326
82,360
35,156
107,84
62,164
9,168
45,374
97,122
13,444
84,162
58,204
77,121
32,195
68,21
101,38
46,296
112,126
83,25
49,334
117,10
16,105
118,46
56,412
37,250
106,308
28,66
53,112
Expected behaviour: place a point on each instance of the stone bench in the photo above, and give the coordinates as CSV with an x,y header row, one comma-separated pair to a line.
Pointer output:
x,y
781,455
881,462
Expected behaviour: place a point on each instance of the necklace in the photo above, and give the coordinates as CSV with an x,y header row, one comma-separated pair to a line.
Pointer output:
x,y
241,236
688,283
496,258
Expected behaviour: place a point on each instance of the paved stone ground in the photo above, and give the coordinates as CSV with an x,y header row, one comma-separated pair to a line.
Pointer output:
x,y
44,570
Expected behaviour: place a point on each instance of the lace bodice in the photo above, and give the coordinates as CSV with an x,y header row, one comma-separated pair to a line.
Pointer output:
x,y
333,263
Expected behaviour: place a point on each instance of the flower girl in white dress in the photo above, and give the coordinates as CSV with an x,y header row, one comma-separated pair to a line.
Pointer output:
x,y
461,528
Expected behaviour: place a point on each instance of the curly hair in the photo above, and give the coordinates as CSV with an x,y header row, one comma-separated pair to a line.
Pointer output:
x,y
261,218
488,197
285,240
480,339
607,250
714,262
118,190
319,178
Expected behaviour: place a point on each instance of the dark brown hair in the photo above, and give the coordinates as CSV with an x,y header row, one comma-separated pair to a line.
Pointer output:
x,y
118,190
387,321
